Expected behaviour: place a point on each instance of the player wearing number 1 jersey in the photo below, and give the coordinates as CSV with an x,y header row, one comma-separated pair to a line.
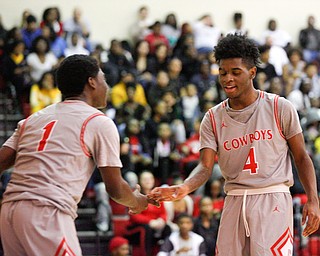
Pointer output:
x,y
253,133
54,152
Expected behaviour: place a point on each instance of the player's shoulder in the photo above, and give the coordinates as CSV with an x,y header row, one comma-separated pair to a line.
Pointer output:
x,y
273,97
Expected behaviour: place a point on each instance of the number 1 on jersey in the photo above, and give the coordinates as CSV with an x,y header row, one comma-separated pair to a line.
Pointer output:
x,y
251,164
46,134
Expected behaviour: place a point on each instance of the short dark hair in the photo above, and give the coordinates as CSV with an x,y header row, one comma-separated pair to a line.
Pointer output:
x,y
237,46
31,19
182,215
73,73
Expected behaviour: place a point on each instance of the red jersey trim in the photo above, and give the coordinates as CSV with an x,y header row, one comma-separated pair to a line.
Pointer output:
x,y
261,94
22,127
276,116
213,124
84,125
224,103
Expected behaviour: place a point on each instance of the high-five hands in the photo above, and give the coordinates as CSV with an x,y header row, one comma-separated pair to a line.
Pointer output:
x,y
171,193
142,202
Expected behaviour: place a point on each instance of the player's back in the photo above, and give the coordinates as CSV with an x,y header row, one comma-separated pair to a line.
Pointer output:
x,y
52,161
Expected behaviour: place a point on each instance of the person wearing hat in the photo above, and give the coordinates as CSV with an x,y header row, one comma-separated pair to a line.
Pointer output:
x,y
119,246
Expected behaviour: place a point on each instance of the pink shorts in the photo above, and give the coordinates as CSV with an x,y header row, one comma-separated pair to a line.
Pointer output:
x,y
31,228
267,228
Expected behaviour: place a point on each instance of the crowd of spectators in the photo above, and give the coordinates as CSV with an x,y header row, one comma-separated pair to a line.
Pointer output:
x,y
162,80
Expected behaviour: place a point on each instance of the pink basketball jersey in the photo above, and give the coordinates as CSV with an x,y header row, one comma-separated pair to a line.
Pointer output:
x,y
57,149
255,153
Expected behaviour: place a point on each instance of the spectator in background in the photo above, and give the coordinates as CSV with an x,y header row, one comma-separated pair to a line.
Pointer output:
x,y
300,97
139,147
175,116
189,150
294,69
119,91
30,32
176,79
44,93
159,114
170,29
118,246
25,14
265,70
309,40
165,155
155,37
186,38
141,26
277,56
189,60
206,35
131,108
159,88
206,224
159,60
238,25
153,219
79,24
41,59
119,57
75,47
311,72
51,18
184,241
279,37
17,72
190,107
57,43
175,208
205,80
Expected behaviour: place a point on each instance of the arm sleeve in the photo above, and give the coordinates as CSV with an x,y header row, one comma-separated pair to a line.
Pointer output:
x,y
207,138
166,248
12,142
102,140
289,119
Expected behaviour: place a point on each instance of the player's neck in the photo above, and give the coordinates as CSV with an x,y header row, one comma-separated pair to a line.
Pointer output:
x,y
78,98
244,101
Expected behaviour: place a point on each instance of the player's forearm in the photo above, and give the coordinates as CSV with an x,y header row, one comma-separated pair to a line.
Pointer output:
x,y
198,177
307,177
123,195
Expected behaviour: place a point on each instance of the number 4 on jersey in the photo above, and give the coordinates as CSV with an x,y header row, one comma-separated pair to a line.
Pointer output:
x,y
46,134
251,164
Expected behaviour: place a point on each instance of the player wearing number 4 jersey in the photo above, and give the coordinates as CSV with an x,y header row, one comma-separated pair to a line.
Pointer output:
x,y
54,152
253,134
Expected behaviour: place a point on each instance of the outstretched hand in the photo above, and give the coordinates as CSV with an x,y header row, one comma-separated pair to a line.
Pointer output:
x,y
171,193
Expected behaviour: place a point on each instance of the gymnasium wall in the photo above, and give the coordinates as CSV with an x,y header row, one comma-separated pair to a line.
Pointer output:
x,y
111,19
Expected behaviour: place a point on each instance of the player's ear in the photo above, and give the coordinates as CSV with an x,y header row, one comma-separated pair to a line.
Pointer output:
x,y
91,82
253,72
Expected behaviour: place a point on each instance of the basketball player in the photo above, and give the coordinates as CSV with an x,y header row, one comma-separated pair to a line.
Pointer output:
x,y
253,134
54,152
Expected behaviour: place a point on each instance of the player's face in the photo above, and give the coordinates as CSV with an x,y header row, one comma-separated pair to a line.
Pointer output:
x,y
235,78
101,90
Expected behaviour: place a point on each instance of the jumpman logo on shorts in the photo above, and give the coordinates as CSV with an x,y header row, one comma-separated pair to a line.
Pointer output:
x,y
276,209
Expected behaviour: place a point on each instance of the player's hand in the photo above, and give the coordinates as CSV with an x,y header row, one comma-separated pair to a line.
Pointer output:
x,y
311,216
142,201
171,193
